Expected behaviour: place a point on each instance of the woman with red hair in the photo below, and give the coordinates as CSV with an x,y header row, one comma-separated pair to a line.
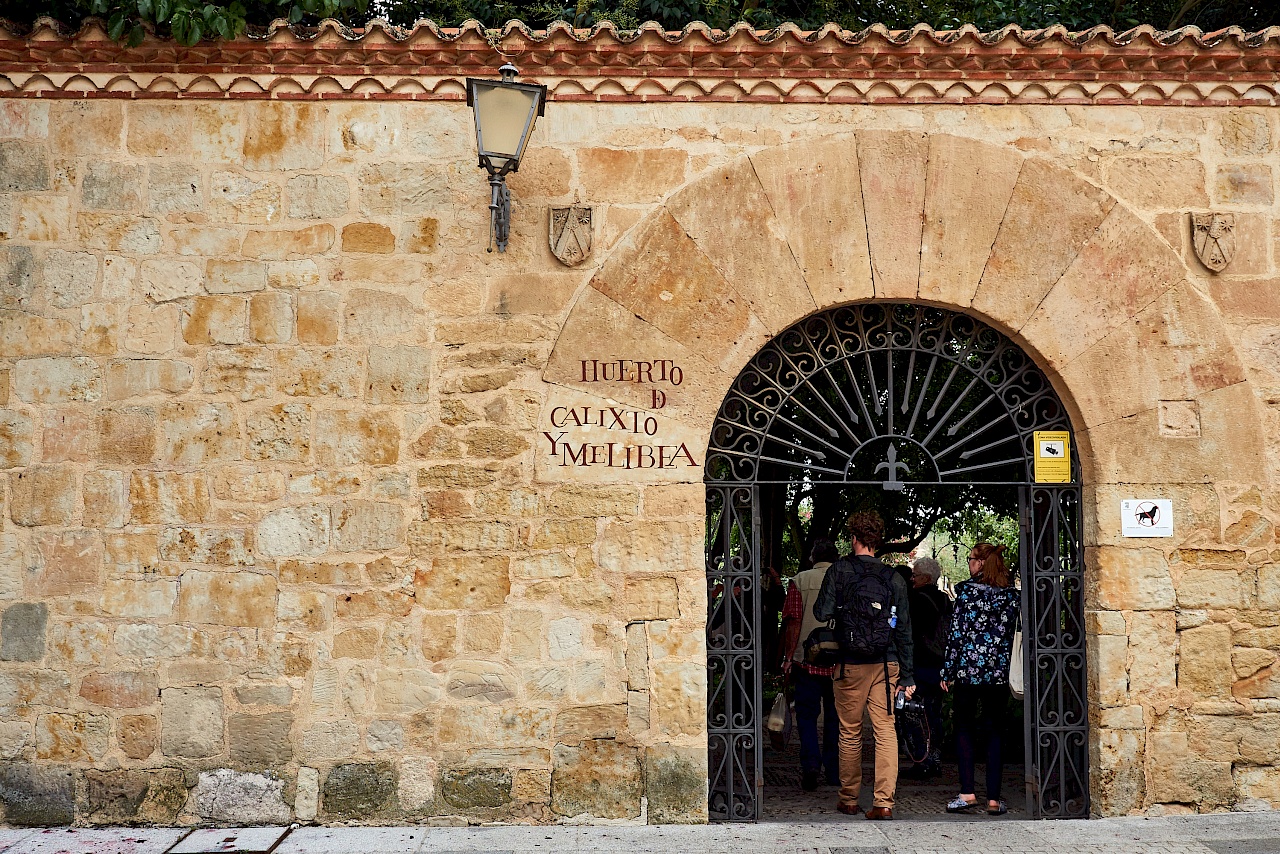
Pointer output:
x,y
976,669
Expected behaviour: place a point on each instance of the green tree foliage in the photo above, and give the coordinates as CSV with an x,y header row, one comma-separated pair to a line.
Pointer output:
x,y
190,21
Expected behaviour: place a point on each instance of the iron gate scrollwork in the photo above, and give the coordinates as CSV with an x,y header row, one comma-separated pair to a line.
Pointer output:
x,y
893,395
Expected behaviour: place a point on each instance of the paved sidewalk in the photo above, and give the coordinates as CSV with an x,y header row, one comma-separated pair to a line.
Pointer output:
x,y
1236,833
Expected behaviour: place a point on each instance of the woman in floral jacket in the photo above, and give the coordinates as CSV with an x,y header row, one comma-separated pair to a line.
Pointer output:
x,y
976,669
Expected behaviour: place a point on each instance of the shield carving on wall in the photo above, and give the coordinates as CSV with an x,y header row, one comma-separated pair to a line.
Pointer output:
x,y
1213,237
569,234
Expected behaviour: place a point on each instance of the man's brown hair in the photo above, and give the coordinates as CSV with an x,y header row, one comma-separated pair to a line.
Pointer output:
x,y
867,528
994,571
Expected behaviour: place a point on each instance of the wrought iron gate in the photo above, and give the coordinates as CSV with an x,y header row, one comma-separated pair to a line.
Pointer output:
x,y
893,395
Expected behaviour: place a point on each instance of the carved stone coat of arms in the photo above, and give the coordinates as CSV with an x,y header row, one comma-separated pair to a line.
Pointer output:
x,y
569,234
1213,237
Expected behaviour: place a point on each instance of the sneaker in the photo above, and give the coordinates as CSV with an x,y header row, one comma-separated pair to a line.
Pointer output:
x,y
959,804
809,781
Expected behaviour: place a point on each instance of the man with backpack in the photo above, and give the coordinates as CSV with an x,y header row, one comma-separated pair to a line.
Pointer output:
x,y
868,603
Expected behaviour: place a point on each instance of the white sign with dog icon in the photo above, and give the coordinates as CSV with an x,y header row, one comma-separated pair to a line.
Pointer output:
x,y
1146,517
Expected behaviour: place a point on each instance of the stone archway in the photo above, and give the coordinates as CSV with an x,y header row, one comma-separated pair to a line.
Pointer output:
x,y
1089,289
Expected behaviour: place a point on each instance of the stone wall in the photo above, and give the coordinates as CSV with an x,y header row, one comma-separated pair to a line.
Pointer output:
x,y
284,538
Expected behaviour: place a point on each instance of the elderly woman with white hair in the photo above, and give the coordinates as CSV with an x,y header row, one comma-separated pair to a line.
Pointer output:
x,y
930,624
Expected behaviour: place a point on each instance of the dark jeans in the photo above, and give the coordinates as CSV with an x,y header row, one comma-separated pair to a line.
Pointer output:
x,y
814,694
994,700
929,693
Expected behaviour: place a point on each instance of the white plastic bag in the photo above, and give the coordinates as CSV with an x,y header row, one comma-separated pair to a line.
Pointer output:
x,y
779,722
1015,665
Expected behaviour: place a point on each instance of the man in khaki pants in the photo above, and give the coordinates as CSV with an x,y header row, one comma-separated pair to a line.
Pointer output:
x,y
867,680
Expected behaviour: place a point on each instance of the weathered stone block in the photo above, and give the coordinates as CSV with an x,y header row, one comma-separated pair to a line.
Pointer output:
x,y
106,499
174,187
635,175
320,373
72,379
24,334
248,483
375,316
368,237
1204,660
192,722
1130,579
600,779
36,795
234,197
216,320
476,788
675,784
652,598
72,737
280,245
24,165
137,735
119,232
111,186
168,497
1174,775
152,329
15,739
22,631
360,642
164,281
439,635
294,531
72,563
464,583
1153,638
127,435
317,196
15,439
42,219
398,375
193,433
228,599
281,136
271,318
282,432
1159,183
233,797
127,597
406,692
367,526
206,545
132,797
1244,184
359,789
317,320
261,741
125,690
69,277
353,437
246,372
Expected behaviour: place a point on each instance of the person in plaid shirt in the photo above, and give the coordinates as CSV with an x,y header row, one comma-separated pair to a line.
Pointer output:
x,y
814,692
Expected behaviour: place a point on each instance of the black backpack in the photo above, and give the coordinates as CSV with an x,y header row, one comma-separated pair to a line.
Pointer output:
x,y
862,619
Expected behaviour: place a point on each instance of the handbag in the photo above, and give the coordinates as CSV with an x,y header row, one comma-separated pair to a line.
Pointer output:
x,y
822,646
1015,664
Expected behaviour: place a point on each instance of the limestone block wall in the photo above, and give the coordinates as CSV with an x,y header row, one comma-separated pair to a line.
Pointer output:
x,y
288,533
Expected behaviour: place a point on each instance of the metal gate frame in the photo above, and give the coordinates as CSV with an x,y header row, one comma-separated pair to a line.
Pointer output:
x,y
778,393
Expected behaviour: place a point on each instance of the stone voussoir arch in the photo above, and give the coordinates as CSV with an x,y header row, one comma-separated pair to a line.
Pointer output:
x,y
1088,288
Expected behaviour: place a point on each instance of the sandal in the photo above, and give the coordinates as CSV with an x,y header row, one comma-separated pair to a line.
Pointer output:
x,y
1000,808
959,804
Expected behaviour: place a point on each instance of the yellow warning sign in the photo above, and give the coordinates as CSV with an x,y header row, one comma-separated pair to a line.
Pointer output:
x,y
1053,456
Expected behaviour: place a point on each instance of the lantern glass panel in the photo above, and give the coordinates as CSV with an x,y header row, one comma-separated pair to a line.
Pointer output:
x,y
502,115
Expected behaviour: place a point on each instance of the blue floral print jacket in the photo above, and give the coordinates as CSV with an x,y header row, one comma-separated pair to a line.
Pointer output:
x,y
981,640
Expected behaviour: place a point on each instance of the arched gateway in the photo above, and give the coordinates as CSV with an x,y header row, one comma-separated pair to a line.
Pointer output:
x,y
893,395
839,227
